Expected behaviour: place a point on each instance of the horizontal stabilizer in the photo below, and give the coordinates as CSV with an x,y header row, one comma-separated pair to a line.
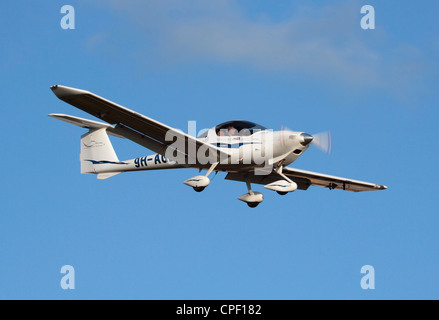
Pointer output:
x,y
85,123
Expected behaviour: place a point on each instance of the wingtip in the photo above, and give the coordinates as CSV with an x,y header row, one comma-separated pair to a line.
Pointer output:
x,y
56,115
63,91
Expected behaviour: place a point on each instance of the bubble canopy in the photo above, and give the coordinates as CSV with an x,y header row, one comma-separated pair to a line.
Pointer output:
x,y
239,125
236,128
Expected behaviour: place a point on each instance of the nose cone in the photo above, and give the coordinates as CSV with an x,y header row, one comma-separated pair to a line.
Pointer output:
x,y
306,139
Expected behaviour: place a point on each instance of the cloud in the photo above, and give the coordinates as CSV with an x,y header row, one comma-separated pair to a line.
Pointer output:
x,y
324,42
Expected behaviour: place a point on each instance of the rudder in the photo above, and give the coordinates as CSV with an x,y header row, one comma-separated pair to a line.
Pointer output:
x,y
96,148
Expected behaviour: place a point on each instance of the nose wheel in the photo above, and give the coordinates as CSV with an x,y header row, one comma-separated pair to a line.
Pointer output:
x,y
253,199
253,204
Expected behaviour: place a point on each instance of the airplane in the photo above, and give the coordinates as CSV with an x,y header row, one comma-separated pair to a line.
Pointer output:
x,y
246,151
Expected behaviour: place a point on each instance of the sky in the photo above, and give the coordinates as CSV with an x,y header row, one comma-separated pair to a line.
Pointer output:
x,y
307,65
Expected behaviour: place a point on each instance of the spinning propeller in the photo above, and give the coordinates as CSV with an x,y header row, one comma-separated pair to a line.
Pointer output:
x,y
322,140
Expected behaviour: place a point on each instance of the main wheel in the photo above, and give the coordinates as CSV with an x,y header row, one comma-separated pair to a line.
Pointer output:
x,y
282,193
199,189
252,204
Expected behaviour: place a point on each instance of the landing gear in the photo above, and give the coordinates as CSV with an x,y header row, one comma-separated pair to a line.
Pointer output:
x,y
253,204
200,182
282,187
253,199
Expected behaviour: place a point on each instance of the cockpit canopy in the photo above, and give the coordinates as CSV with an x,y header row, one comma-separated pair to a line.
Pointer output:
x,y
234,128
237,128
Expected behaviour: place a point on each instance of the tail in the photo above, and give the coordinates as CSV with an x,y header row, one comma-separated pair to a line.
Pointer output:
x,y
96,147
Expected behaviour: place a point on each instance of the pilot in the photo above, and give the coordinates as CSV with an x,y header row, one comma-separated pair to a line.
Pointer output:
x,y
232,131
221,133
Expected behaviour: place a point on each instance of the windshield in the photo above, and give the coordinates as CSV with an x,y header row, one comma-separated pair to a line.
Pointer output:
x,y
237,128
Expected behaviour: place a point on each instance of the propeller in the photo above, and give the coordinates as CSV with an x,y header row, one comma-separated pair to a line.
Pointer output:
x,y
284,134
323,141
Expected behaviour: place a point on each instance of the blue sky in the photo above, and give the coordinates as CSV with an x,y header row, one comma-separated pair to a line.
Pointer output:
x,y
307,65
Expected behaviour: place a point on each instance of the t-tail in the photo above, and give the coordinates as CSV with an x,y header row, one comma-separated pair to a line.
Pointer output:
x,y
97,153
96,150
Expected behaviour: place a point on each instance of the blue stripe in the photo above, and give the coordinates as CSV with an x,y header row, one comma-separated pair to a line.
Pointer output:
x,y
105,162
234,145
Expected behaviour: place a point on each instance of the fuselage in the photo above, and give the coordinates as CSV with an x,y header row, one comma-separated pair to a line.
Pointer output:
x,y
247,145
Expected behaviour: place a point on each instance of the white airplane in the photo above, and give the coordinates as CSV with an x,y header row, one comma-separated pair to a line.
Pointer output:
x,y
246,151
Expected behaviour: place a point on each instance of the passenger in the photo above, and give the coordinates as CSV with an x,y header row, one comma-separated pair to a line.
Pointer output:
x,y
232,131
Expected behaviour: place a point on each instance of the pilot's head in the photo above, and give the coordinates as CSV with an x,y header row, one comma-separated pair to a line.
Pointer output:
x,y
232,131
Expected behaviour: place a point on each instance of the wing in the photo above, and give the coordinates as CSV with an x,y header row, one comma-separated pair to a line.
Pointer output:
x,y
139,128
304,179
331,182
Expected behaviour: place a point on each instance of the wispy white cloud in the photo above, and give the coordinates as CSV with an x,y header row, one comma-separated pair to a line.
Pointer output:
x,y
315,41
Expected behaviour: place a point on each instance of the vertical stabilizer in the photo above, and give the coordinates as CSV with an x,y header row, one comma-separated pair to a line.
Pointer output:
x,y
96,148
